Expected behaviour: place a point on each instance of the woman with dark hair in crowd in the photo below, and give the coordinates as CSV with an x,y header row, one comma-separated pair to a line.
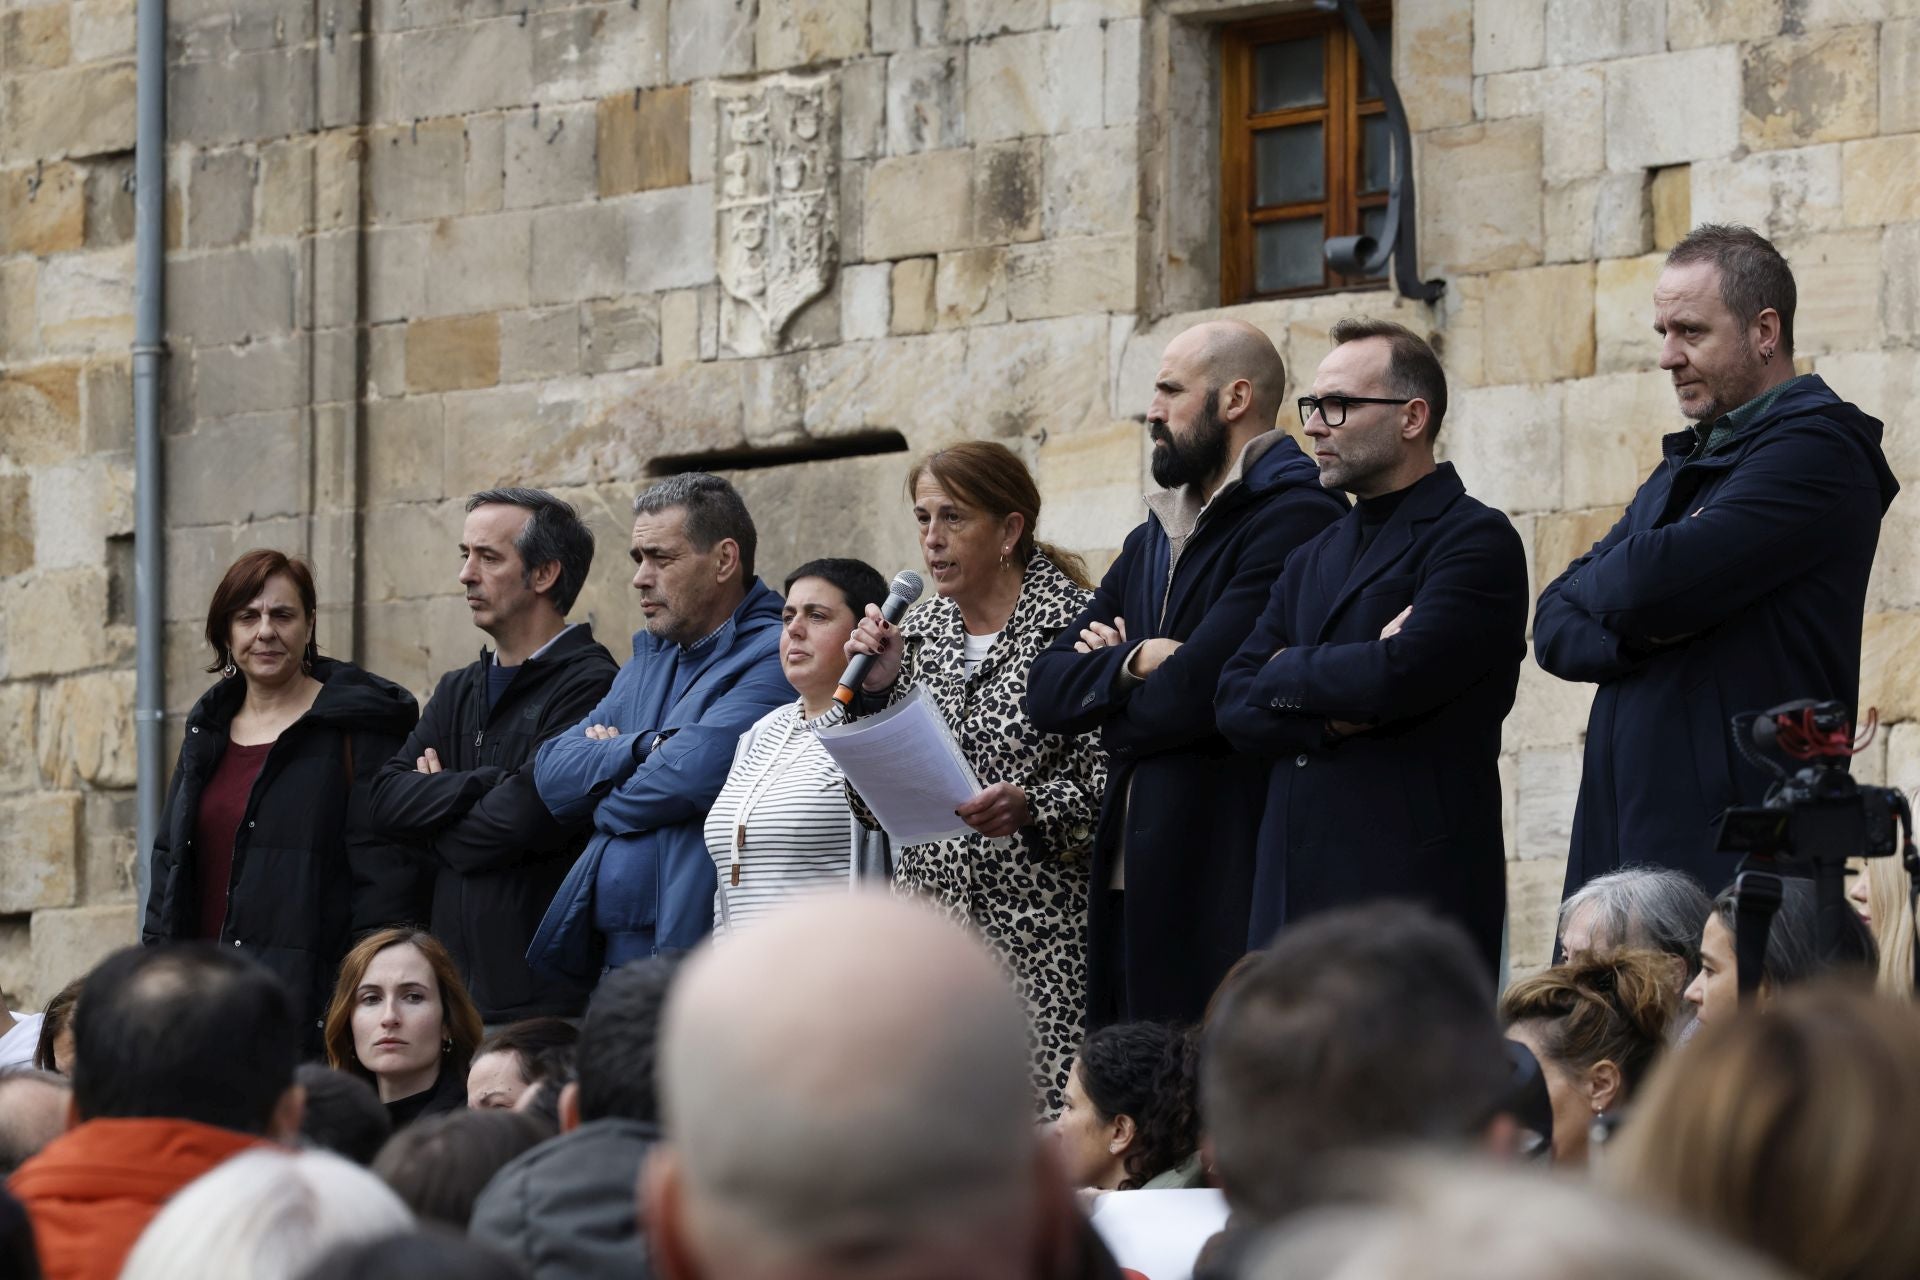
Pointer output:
x,y
1793,952
1596,1024
502,1067
260,847
440,1165
54,1052
780,825
548,1075
1791,1133
1131,1116
402,1020
1019,875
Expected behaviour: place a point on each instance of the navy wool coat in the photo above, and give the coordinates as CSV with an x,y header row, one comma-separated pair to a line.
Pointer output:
x,y
1409,808
1732,583
1181,806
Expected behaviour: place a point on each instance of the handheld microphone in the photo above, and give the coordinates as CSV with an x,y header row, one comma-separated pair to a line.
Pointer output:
x,y
901,592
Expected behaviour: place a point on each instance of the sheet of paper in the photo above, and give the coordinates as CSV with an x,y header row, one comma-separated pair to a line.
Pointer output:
x,y
1158,1234
907,767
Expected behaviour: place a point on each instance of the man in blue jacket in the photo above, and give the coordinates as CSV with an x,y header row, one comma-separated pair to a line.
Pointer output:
x,y
648,761
1736,579
1378,677
1173,854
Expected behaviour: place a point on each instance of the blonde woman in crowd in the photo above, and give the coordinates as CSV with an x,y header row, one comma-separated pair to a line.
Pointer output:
x,y
1790,1131
1883,895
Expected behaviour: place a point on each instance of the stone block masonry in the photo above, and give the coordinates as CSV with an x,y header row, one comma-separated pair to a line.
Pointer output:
x,y
437,245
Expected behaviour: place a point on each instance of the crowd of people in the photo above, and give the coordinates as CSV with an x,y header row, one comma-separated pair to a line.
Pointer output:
x,y
596,969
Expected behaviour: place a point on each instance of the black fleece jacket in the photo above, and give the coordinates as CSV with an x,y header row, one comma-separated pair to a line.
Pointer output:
x,y
494,853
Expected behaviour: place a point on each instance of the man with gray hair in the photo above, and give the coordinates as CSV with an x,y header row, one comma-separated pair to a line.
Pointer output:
x,y
1736,579
645,764
460,793
845,1094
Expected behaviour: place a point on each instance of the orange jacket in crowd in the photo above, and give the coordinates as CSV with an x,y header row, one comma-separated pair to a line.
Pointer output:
x,y
92,1190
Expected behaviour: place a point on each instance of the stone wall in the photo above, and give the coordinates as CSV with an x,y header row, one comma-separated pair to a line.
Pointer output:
x,y
66,488
418,247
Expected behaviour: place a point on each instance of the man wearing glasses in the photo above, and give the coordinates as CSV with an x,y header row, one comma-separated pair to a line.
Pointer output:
x,y
1173,854
1377,679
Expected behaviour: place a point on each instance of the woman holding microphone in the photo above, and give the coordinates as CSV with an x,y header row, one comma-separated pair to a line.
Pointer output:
x,y
1019,875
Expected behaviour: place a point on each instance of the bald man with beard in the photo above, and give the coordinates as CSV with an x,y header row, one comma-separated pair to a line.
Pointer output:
x,y
1173,854
846,1096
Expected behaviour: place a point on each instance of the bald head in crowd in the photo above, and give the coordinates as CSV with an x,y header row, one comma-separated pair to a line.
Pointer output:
x,y
1220,384
33,1112
845,1094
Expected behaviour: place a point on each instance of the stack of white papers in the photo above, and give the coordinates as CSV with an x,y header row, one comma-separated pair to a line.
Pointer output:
x,y
905,764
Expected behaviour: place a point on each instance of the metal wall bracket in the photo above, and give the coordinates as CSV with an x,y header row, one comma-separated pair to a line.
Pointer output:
x,y
1363,255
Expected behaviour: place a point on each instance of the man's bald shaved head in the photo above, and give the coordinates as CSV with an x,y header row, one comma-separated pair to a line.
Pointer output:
x,y
845,1087
1220,384
1233,350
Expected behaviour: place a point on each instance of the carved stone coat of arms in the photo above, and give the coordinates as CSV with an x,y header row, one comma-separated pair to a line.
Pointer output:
x,y
777,194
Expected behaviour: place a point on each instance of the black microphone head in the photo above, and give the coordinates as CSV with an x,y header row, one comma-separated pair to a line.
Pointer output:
x,y
907,585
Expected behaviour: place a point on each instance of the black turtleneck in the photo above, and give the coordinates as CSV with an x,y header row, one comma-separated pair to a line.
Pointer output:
x,y
448,1092
1375,512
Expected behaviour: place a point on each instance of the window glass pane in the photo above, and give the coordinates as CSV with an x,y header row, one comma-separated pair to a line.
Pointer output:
x,y
1289,255
1288,74
1373,222
1382,36
1289,165
1376,154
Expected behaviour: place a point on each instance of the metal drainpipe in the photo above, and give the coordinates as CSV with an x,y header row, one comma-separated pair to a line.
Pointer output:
x,y
149,356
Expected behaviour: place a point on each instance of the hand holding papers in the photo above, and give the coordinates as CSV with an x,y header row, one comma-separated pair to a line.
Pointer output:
x,y
907,767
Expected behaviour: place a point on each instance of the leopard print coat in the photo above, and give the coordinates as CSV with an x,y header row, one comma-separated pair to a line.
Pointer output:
x,y
1026,894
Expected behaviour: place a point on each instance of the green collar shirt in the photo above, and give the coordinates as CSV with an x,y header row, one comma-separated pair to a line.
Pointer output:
x,y
1712,437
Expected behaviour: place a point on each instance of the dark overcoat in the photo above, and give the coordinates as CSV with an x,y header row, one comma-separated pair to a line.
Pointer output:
x,y
1409,808
1181,806
1734,582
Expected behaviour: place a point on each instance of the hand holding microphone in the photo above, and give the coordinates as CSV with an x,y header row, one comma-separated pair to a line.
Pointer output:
x,y
874,649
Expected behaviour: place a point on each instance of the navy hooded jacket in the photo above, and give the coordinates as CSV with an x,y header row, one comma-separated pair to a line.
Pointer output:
x,y
1733,582
1182,807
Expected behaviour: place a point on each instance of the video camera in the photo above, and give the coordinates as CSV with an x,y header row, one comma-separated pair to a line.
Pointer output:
x,y
1812,821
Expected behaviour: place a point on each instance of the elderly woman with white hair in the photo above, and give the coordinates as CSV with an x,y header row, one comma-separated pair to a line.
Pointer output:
x,y
265,1215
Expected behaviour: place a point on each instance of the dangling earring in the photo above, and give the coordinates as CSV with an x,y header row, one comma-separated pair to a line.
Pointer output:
x,y
1766,355
446,1046
311,656
228,668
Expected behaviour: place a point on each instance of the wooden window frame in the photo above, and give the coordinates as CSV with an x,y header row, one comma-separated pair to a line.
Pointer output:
x,y
1341,112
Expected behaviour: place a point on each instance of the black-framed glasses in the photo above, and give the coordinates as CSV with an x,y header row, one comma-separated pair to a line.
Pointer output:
x,y
1333,409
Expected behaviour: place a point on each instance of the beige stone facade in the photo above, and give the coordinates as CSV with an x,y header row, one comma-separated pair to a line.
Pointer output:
x,y
417,247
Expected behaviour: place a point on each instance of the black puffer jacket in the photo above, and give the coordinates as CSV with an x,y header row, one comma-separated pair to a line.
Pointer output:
x,y
494,852
303,866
